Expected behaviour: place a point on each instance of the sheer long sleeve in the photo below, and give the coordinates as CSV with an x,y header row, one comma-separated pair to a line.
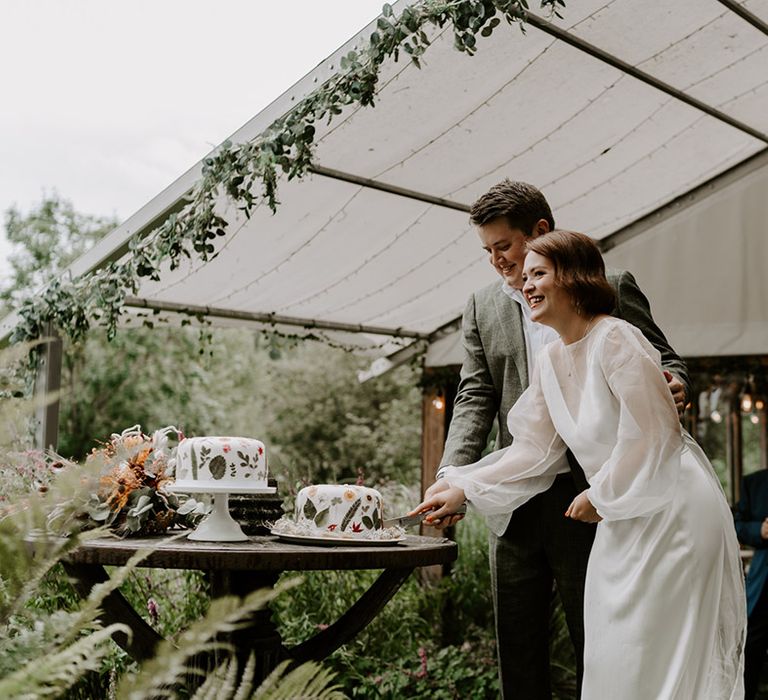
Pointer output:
x,y
505,479
640,476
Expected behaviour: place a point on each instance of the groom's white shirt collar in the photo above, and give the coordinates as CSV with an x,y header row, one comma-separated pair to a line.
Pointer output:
x,y
537,335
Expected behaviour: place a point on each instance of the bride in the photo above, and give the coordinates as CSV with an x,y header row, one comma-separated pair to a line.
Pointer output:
x,y
664,607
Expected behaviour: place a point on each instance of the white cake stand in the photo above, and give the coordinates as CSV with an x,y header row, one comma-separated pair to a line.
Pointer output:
x,y
219,525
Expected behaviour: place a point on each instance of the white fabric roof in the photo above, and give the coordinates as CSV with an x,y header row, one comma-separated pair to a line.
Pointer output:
x,y
606,148
704,268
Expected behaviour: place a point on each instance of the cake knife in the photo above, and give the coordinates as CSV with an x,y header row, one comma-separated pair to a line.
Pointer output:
x,y
410,520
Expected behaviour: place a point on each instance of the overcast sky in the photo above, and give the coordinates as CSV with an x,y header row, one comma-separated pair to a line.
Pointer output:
x,y
108,102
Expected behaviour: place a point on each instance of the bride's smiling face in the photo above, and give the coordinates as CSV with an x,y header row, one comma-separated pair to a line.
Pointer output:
x,y
549,301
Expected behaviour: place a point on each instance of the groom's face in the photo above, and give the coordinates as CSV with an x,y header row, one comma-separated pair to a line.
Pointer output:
x,y
505,246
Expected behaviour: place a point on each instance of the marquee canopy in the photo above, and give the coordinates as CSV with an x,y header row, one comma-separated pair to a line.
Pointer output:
x,y
645,125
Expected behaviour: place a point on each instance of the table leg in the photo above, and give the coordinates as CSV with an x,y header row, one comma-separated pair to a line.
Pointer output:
x,y
115,608
353,621
260,635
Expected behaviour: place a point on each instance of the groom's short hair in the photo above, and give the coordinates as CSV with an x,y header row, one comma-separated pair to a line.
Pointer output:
x,y
579,269
521,204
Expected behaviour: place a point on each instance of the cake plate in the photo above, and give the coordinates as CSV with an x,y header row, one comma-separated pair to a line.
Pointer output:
x,y
336,541
219,525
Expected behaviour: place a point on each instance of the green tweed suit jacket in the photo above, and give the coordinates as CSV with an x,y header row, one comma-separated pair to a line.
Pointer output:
x,y
495,368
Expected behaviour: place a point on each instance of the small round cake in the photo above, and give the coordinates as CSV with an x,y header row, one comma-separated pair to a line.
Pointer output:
x,y
339,511
222,462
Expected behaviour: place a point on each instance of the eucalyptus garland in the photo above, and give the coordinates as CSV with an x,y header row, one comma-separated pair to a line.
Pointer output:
x,y
247,173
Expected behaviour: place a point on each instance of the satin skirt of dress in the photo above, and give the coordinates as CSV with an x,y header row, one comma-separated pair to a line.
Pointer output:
x,y
664,609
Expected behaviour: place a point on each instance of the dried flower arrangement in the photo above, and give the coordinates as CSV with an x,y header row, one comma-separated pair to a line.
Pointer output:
x,y
130,496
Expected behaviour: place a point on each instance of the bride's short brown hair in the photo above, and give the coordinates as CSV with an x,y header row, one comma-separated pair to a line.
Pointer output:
x,y
579,269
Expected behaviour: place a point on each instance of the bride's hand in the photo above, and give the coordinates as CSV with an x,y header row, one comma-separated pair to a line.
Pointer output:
x,y
581,508
443,503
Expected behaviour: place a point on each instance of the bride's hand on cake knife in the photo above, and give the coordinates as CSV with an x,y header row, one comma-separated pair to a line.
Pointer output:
x,y
448,521
443,505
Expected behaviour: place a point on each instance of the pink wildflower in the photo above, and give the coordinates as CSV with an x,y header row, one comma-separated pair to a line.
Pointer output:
x,y
423,656
152,609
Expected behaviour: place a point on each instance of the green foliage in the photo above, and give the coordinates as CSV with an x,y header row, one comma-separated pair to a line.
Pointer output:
x,y
168,599
239,171
324,426
138,378
174,661
56,671
42,651
309,680
320,423
45,242
156,378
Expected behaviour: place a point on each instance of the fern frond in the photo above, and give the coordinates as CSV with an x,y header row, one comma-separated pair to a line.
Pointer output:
x,y
221,684
50,675
28,548
24,572
245,689
310,681
89,610
49,553
171,663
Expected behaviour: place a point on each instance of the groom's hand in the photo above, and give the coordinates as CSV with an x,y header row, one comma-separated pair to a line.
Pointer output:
x,y
581,508
437,487
677,389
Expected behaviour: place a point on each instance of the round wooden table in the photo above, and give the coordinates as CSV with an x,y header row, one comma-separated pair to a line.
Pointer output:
x,y
237,568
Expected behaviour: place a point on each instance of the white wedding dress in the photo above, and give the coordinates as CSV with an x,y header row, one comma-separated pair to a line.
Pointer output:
x,y
664,608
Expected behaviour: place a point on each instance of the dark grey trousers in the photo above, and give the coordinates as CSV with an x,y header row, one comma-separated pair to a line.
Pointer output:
x,y
756,645
539,546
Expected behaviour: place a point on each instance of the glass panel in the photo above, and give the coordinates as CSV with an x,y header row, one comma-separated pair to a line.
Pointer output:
x,y
711,435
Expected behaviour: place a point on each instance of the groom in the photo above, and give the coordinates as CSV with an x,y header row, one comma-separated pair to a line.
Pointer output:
x,y
540,545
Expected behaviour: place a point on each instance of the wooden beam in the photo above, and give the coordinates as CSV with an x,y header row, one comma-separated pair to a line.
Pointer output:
x,y
734,446
436,413
47,386
762,431
433,433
